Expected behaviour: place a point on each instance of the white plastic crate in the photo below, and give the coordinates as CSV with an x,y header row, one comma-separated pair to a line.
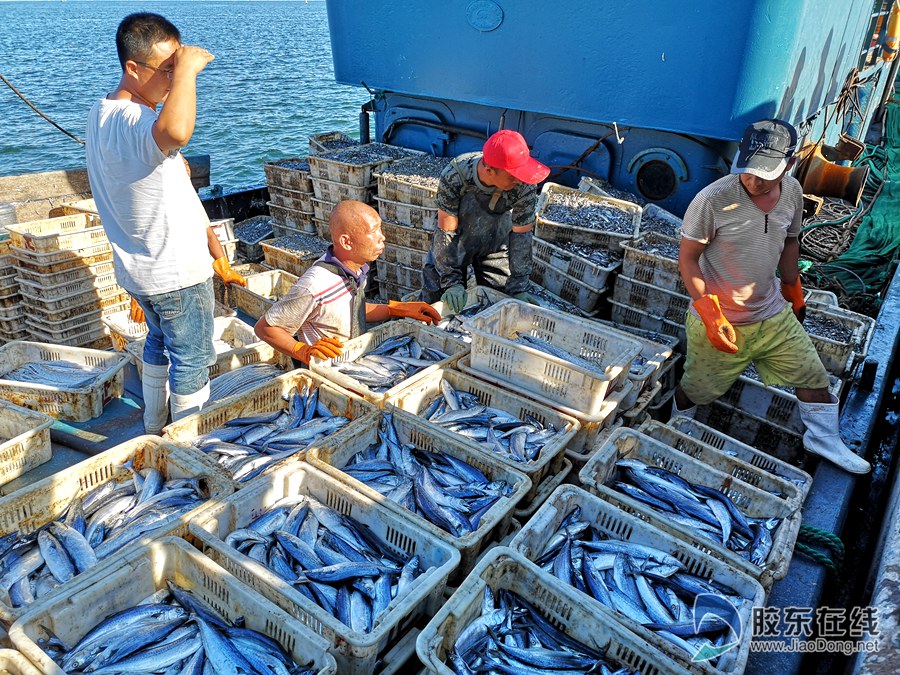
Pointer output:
x,y
619,525
398,275
62,261
656,353
334,167
407,257
565,608
637,413
570,289
416,397
223,228
291,173
526,508
323,229
91,332
407,236
293,261
133,578
103,284
322,209
294,200
30,508
651,299
332,191
286,217
66,276
407,214
15,663
24,440
57,234
356,652
712,472
813,296
841,357
11,318
337,450
388,291
609,239
92,302
652,268
398,190
261,292
426,336
697,439
544,376
77,405
666,223
589,273
626,316
328,141
122,330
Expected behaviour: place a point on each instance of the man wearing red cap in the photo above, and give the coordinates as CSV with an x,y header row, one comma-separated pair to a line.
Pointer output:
x,y
486,203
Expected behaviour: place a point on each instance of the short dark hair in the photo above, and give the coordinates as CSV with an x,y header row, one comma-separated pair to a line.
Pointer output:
x,y
138,33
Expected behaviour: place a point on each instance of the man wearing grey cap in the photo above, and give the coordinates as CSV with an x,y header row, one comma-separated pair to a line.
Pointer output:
x,y
736,233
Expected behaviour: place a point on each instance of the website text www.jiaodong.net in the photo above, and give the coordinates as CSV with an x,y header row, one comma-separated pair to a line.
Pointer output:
x,y
815,646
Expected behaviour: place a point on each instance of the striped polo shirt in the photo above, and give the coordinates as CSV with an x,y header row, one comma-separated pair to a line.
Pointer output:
x,y
319,304
744,245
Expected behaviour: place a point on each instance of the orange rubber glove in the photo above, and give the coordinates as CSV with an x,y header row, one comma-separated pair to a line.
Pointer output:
x,y
421,311
793,293
323,348
719,331
228,275
137,312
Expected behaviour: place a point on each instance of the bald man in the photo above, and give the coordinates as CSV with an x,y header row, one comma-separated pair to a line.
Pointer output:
x,y
327,305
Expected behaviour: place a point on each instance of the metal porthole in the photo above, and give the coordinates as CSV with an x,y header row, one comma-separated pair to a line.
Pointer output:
x,y
656,180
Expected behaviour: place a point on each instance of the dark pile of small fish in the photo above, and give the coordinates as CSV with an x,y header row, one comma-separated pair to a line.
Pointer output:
x,y
301,243
708,513
601,185
55,374
333,560
582,210
497,430
644,583
254,229
247,446
360,155
442,489
241,379
658,247
293,164
92,528
173,631
512,636
394,360
818,324
455,323
337,143
598,256
651,223
421,170
547,348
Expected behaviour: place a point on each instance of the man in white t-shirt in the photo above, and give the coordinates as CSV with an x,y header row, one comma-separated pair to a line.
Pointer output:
x,y
157,226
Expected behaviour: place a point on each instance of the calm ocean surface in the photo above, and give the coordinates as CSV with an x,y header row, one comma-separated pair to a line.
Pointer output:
x,y
270,86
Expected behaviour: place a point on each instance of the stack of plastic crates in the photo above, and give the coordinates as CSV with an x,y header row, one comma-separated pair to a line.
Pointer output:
x,y
11,312
407,202
66,279
224,231
293,253
290,196
250,233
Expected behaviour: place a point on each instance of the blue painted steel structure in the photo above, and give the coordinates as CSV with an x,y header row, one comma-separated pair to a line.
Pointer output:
x,y
680,81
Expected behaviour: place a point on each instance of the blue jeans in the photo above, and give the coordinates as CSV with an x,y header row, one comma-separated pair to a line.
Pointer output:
x,y
181,330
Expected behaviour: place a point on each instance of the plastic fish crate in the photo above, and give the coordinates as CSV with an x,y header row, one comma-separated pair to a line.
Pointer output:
x,y
712,472
565,608
527,508
656,352
388,291
416,397
591,274
297,220
570,289
651,268
294,262
407,214
86,312
651,299
397,190
328,141
407,257
406,236
76,405
329,166
399,275
564,232
11,319
58,234
637,413
76,275
279,174
841,358
135,577
474,295
626,316
102,284
355,652
266,398
122,330
780,442
10,302
696,439
544,376
323,229
619,525
332,191
322,209
15,663
30,508
290,199
261,292
109,294
63,261
426,336
813,296
78,336
336,451
24,440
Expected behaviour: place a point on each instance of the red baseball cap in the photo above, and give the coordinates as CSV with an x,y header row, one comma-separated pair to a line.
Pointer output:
x,y
507,150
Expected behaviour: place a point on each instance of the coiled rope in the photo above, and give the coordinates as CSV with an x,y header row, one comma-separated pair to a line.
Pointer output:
x,y
34,107
810,539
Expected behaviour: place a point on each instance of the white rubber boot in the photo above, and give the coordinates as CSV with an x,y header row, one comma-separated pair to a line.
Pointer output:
x,y
155,386
823,436
687,412
187,404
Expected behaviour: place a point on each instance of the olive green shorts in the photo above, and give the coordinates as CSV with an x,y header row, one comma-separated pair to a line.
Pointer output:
x,y
779,347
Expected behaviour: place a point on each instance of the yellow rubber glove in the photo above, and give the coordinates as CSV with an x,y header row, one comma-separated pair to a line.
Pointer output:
x,y
421,311
719,331
137,312
323,348
793,293
228,275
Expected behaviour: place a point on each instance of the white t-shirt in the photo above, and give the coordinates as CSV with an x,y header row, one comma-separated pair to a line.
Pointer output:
x,y
152,216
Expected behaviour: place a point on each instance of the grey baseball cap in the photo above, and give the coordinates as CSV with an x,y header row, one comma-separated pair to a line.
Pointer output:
x,y
765,149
